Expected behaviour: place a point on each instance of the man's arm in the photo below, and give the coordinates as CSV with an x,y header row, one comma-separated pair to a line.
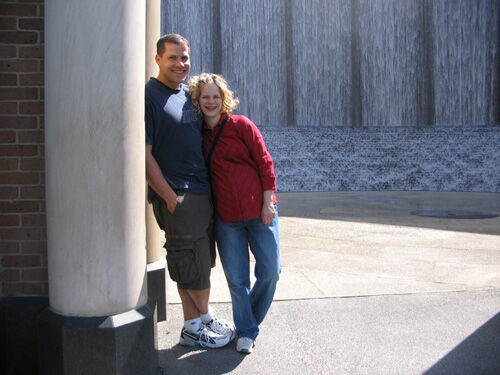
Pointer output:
x,y
157,181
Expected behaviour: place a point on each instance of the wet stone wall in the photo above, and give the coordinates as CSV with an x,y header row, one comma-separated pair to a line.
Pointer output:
x,y
377,158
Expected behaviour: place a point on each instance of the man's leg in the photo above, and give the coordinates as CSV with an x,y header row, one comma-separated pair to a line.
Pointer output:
x,y
194,302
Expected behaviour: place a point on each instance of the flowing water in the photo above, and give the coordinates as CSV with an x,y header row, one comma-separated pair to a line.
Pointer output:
x,y
359,62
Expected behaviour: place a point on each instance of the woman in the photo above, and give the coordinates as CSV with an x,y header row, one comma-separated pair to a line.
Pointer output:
x,y
243,184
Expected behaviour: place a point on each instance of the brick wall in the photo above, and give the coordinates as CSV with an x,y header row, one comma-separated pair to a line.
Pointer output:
x,y
23,248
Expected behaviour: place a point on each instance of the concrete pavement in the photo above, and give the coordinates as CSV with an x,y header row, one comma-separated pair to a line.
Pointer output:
x,y
368,288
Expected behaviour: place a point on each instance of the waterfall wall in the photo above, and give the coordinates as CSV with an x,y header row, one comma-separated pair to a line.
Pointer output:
x,y
352,71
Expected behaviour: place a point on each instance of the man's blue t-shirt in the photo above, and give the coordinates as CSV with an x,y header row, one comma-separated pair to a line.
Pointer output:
x,y
173,129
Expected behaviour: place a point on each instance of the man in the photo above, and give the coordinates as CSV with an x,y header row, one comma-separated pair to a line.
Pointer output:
x,y
179,189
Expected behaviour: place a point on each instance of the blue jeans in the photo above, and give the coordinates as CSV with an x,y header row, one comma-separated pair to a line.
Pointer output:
x,y
249,305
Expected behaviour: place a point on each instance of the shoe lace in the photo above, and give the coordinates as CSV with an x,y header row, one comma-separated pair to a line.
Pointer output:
x,y
204,337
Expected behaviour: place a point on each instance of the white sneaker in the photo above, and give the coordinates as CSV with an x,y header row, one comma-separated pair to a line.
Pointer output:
x,y
203,337
245,345
222,327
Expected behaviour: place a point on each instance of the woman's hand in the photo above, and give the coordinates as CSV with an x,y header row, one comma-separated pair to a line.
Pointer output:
x,y
268,213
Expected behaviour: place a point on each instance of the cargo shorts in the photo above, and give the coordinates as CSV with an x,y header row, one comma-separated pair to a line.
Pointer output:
x,y
190,255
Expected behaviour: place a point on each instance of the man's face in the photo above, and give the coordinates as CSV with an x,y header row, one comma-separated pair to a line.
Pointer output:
x,y
174,65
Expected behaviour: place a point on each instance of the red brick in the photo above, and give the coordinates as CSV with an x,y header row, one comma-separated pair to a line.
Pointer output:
x,y
36,274
7,136
42,37
19,206
33,164
8,52
9,247
9,165
34,247
21,234
10,275
31,52
31,108
31,79
8,108
18,150
19,66
8,80
31,23
19,93
31,136
9,220
7,23
17,122
19,37
8,192
42,93
32,220
15,178
18,10
36,288
20,261
33,192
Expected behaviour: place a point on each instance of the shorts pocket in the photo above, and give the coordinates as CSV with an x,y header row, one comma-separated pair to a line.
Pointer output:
x,y
183,266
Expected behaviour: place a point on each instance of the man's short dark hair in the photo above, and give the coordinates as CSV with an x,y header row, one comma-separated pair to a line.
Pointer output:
x,y
170,38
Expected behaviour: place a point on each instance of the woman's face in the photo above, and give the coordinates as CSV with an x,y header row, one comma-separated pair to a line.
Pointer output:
x,y
210,100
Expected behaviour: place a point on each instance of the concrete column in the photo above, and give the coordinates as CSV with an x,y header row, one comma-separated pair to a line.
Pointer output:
x,y
99,315
156,268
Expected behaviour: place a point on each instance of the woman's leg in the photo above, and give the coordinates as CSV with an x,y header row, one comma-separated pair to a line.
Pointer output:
x,y
232,243
264,244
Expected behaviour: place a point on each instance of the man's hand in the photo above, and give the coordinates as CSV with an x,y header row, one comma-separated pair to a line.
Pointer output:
x,y
172,204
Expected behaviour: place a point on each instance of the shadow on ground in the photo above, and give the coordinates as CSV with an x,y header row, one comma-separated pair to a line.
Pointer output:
x,y
395,208
477,354
184,360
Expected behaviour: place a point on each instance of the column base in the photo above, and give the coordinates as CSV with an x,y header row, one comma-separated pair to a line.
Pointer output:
x,y
108,345
157,287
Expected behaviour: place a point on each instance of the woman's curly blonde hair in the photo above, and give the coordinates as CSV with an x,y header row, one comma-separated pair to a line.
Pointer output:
x,y
229,102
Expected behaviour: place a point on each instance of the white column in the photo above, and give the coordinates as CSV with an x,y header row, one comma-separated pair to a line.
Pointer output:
x,y
94,92
153,12
157,264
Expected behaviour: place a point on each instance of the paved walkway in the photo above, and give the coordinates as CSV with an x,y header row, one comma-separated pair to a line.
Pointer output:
x,y
368,288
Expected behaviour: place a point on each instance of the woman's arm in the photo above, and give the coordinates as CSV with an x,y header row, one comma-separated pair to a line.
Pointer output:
x,y
257,148
258,151
268,212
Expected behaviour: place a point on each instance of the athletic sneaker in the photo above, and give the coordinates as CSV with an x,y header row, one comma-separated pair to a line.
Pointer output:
x,y
222,327
203,337
245,345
